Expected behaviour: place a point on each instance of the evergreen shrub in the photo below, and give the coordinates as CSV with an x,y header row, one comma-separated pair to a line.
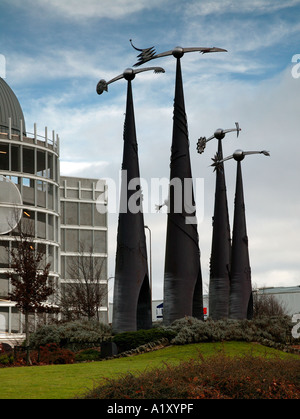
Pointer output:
x,y
90,354
73,335
131,340
268,330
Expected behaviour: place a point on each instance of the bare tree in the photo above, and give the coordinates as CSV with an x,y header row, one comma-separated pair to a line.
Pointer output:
x,y
84,293
28,274
267,305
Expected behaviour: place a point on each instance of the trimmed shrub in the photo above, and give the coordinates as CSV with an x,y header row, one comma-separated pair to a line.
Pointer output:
x,y
268,330
6,359
90,354
53,354
130,340
71,335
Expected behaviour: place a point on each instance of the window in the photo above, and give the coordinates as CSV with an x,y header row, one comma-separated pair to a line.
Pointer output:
x,y
50,166
86,214
15,159
4,254
50,196
41,225
100,241
71,213
50,227
41,194
4,157
71,244
41,163
28,160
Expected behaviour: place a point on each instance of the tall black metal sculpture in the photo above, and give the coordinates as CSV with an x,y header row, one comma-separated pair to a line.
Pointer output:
x,y
182,277
132,295
219,284
241,302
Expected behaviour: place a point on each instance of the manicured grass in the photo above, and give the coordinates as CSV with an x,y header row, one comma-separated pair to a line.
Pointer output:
x,y
69,381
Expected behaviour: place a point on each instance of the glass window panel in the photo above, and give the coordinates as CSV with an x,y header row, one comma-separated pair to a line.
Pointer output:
x,y
4,254
51,257
55,169
62,267
15,158
41,193
50,196
3,319
4,157
28,160
50,166
15,320
50,227
41,225
100,244
71,265
62,212
71,213
41,163
71,244
86,194
86,240
4,285
86,214
41,247
100,218
28,191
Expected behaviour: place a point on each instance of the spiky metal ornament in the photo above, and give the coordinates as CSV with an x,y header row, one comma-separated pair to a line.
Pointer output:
x,y
132,294
219,134
240,300
182,275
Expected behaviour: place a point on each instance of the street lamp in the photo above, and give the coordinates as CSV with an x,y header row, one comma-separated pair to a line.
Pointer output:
x,y
150,254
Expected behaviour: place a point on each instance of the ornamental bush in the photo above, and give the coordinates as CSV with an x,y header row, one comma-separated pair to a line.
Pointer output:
x,y
53,354
91,354
131,340
268,330
215,377
71,335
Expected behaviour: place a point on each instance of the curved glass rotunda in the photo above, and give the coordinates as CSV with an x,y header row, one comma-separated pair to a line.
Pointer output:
x,y
29,181
59,212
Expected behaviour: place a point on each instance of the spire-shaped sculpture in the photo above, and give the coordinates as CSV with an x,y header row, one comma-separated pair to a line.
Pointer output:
x,y
132,295
182,278
241,302
219,284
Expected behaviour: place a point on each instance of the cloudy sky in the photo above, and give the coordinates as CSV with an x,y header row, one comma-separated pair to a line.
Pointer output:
x,y
53,53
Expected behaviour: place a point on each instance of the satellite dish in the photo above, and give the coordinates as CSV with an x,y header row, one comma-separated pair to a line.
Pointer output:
x,y
10,201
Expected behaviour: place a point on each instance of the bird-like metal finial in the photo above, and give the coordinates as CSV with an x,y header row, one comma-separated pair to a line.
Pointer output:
x,y
148,54
238,155
219,134
128,74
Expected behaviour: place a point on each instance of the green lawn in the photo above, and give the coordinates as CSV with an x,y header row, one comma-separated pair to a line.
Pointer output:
x,y
67,381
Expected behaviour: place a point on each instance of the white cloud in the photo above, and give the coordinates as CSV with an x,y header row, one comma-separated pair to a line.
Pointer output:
x,y
91,127
89,9
217,7
91,143
81,169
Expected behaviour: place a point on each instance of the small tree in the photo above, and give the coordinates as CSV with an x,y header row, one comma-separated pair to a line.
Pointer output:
x,y
84,293
29,277
267,305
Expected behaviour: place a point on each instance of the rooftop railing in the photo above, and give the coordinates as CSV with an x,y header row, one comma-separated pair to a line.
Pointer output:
x,y
51,140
